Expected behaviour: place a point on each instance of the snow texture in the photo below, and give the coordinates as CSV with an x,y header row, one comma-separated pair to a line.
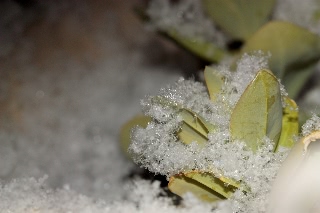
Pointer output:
x,y
31,195
158,149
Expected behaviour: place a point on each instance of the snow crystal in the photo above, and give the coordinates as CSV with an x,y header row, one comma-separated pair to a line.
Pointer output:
x,y
186,17
313,124
304,15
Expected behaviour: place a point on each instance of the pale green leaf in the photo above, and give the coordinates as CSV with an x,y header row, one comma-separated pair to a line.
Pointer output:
x,y
240,18
212,182
295,79
204,49
258,112
214,81
180,185
194,128
187,135
197,122
292,48
203,185
290,124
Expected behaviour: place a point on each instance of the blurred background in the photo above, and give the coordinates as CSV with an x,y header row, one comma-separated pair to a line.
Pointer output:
x,y
71,74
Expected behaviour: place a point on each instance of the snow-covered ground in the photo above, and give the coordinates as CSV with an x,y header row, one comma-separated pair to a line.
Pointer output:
x,y
72,73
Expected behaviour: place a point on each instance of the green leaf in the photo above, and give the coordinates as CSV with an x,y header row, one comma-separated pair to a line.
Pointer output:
x,y
214,81
292,48
125,133
204,49
187,135
290,124
194,128
198,46
203,185
240,18
258,112
196,122
295,79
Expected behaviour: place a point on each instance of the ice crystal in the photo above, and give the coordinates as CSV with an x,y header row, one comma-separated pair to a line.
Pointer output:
x,y
186,17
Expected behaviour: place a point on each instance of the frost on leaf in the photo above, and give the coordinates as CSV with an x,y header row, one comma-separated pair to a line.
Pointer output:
x,y
159,148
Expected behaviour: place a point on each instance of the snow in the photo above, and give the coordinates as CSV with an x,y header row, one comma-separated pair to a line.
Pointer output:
x,y
72,73
31,195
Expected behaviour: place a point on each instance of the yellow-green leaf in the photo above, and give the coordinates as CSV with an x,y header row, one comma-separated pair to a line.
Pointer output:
x,y
211,181
194,128
125,140
296,78
187,135
258,112
292,48
214,81
290,124
203,185
240,18
196,122
204,49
